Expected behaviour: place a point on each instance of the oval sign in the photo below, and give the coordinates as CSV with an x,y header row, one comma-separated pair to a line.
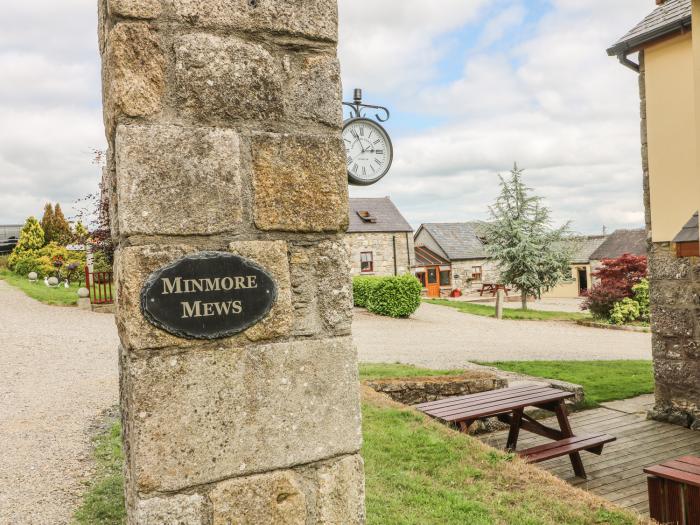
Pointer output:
x,y
208,295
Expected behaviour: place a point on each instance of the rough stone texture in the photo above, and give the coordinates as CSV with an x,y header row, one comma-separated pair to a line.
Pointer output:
x,y
133,73
381,246
300,183
133,265
174,510
341,492
325,493
195,172
146,9
414,390
312,89
317,19
675,322
271,255
277,497
185,411
322,289
222,78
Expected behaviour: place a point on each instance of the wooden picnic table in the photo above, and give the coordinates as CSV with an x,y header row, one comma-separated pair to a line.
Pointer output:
x,y
493,288
674,491
508,405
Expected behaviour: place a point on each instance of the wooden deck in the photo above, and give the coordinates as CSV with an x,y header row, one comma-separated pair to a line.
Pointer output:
x,y
617,474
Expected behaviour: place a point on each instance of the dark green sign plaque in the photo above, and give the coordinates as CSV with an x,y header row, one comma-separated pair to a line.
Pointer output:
x,y
208,295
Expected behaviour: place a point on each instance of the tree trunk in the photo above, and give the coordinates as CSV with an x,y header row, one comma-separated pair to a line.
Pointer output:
x,y
523,299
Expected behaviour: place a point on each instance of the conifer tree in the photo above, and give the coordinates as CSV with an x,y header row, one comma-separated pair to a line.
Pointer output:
x,y
47,223
531,255
61,228
31,236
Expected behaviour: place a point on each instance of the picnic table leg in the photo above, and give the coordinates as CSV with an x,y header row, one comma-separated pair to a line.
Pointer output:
x,y
514,430
565,427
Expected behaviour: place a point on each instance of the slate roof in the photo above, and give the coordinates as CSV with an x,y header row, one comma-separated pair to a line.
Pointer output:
x,y
690,232
584,247
427,257
666,19
459,240
387,217
621,242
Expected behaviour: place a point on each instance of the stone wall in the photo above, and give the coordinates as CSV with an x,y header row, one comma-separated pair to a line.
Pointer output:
x,y
223,121
489,273
675,314
414,390
382,247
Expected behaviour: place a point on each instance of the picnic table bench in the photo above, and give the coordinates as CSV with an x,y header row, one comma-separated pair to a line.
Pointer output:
x,y
493,288
674,491
508,405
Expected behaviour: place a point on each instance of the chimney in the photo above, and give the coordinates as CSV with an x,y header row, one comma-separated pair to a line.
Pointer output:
x,y
660,2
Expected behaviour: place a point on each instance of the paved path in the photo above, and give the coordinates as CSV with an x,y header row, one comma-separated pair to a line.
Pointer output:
x,y
58,373
442,337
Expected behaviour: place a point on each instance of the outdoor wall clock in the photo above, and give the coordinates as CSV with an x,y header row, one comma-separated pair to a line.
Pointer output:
x,y
367,144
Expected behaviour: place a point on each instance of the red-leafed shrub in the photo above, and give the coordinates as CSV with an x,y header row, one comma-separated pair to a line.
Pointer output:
x,y
614,281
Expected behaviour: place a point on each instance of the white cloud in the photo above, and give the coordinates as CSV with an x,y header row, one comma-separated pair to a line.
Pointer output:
x,y
556,103
500,24
392,44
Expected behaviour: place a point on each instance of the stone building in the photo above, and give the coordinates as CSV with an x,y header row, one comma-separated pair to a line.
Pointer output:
x,y
668,65
588,254
379,238
461,260
581,278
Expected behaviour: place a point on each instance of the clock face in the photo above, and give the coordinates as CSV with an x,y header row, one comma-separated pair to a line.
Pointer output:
x,y
368,149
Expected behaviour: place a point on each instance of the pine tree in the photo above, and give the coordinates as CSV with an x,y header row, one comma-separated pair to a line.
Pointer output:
x,y
531,255
61,231
47,223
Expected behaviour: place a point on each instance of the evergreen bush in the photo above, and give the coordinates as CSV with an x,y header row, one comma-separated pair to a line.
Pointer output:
x,y
31,239
389,296
361,288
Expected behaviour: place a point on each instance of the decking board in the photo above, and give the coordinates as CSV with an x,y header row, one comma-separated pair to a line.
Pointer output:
x,y
617,474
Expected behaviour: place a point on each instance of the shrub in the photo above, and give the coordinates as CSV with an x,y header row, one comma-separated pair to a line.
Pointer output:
x,y
641,295
361,289
51,260
625,311
24,263
392,296
616,280
101,262
31,238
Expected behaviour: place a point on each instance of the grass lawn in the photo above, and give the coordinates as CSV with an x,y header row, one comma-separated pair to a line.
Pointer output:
x,y
104,501
601,380
396,370
486,310
56,296
418,472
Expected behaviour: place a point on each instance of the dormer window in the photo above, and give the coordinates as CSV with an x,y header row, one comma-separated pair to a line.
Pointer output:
x,y
366,216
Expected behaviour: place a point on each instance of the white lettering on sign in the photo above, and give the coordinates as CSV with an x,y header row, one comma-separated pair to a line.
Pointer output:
x,y
180,285
200,309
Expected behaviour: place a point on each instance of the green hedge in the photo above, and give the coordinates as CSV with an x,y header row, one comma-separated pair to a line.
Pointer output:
x,y
390,296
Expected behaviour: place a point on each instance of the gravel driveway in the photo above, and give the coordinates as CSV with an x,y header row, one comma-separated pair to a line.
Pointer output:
x,y
58,373
442,337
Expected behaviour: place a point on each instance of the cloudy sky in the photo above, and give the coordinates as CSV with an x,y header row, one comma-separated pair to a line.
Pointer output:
x,y
473,86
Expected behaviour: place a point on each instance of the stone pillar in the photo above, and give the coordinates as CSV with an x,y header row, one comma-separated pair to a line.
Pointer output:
x,y
223,121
